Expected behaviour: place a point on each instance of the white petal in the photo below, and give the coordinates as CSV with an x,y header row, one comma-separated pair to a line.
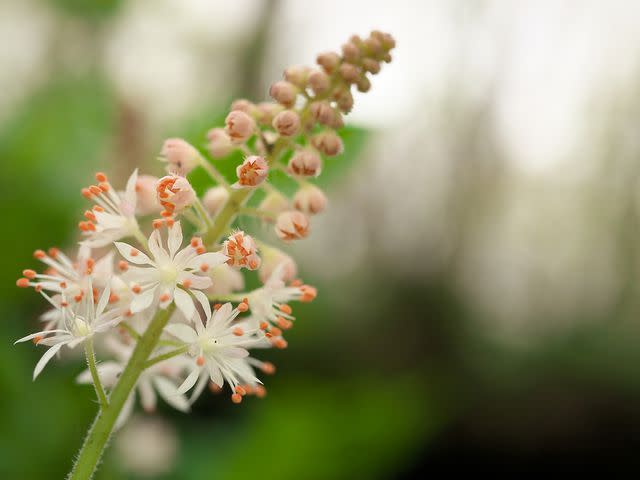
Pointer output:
x,y
107,371
143,301
130,195
48,355
202,383
182,331
204,301
156,248
236,352
38,334
175,239
197,281
184,303
215,374
140,258
104,299
147,395
169,392
189,381
212,259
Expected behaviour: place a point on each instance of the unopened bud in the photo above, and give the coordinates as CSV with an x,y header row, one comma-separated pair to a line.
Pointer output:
x,y
147,202
252,172
243,105
284,93
372,47
287,123
322,113
387,41
292,225
219,143
363,84
298,75
371,65
328,142
310,200
329,61
350,52
175,193
273,258
274,203
180,156
215,198
305,163
349,72
240,126
344,99
319,81
267,111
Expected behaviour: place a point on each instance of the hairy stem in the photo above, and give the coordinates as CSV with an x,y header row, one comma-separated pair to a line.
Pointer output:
x,y
91,361
102,427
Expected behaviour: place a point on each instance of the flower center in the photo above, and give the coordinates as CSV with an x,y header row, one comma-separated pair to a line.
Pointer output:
x,y
81,328
168,273
209,345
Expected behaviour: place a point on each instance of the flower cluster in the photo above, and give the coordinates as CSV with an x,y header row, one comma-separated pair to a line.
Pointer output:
x,y
169,313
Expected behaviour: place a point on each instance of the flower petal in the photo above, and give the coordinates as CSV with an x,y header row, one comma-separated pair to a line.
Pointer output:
x,y
132,254
182,331
174,240
169,392
48,355
189,381
184,303
204,302
143,301
212,259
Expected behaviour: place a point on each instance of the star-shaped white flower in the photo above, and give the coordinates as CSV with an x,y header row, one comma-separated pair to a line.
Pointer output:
x,y
171,274
220,349
81,322
113,216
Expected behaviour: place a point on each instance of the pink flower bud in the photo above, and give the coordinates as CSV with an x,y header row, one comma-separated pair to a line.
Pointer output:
x,y
267,111
219,143
147,202
174,194
252,172
274,258
344,99
310,200
363,84
241,251
284,93
305,163
322,113
328,143
215,198
240,126
297,75
349,72
329,61
388,42
180,156
287,123
370,65
292,225
372,46
319,81
351,52
274,203
244,106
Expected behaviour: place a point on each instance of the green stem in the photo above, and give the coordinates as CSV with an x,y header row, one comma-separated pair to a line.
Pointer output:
x,y
91,361
166,356
102,427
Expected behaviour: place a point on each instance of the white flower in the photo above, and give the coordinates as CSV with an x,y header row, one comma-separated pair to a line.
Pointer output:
x,y
220,349
159,379
171,274
113,216
270,303
226,280
81,323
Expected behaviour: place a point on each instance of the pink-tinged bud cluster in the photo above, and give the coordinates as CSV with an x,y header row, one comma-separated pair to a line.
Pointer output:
x,y
174,194
287,123
220,144
180,156
239,126
284,93
252,172
305,163
328,143
310,200
298,75
292,225
241,251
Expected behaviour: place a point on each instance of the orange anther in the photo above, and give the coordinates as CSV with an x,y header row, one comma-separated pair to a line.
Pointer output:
x,y
37,339
217,306
95,189
38,288
170,223
280,343
243,307
113,298
200,360
286,309
240,390
166,213
164,297
123,266
128,313
284,323
136,289
63,284
253,264
29,273
86,193
245,300
98,208
53,252
39,254
204,267
101,177
248,389
275,331
195,241
104,187
263,325
78,297
186,283
64,303
296,283
199,250
22,282
134,252
308,293
268,368
260,391
157,223
89,215
236,398
238,331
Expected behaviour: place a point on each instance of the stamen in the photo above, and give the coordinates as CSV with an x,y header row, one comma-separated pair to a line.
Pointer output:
x,y
236,398
268,368
29,273
23,282
286,309
243,307
238,331
200,360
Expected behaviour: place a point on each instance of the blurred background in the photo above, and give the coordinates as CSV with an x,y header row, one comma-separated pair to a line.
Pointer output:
x,y
479,308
